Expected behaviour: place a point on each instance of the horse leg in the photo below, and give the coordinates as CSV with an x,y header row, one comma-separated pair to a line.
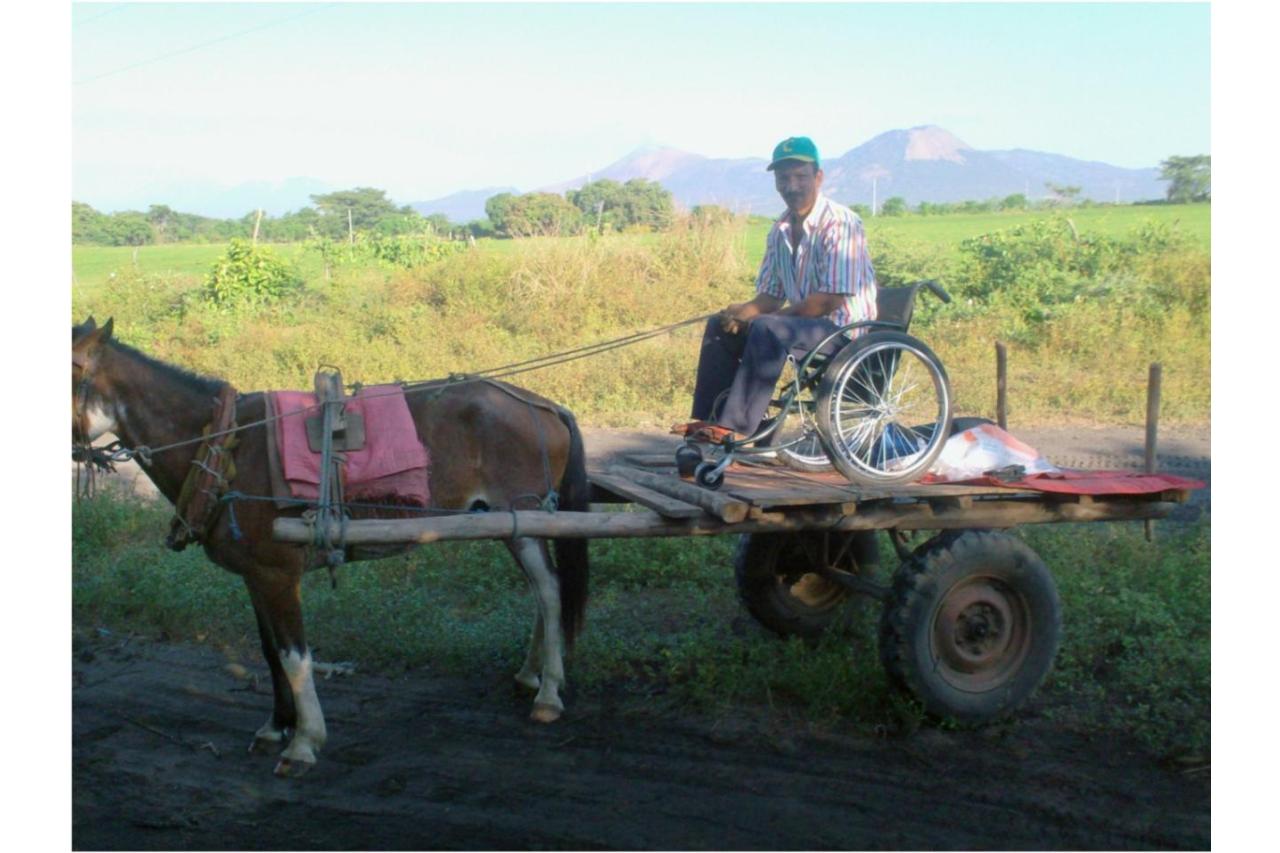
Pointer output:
x,y
284,715
529,673
282,605
546,645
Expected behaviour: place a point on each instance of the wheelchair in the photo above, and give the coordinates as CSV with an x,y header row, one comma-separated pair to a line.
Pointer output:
x,y
877,407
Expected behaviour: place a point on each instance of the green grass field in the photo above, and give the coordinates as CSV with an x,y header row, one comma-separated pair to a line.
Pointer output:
x,y
94,266
91,265
951,229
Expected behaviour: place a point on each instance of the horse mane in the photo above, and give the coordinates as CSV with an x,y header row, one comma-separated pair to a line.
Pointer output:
x,y
196,381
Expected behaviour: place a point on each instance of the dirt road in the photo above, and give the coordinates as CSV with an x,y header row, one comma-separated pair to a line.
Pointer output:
x,y
424,761
159,762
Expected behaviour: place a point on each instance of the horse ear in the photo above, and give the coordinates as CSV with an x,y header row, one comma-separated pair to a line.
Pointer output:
x,y
90,324
106,329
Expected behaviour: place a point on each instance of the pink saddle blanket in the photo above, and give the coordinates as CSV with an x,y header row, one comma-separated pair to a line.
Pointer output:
x,y
392,467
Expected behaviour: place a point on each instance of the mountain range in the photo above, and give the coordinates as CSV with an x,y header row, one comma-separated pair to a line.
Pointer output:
x,y
926,163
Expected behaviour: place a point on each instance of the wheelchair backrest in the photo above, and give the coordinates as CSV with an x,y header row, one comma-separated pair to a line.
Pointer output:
x,y
896,304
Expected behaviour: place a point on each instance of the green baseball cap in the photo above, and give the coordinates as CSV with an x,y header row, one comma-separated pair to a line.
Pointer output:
x,y
795,148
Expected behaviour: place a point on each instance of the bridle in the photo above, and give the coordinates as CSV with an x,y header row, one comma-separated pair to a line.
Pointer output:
x,y
82,449
80,400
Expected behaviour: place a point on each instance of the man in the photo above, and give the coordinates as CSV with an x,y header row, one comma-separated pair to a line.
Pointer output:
x,y
816,276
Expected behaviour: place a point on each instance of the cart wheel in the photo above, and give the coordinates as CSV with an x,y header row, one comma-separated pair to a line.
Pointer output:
x,y
707,476
688,457
972,626
778,583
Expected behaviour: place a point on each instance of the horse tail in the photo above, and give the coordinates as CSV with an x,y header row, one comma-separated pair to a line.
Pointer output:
x,y
572,568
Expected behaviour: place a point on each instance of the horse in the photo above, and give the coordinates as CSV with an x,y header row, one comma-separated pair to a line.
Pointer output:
x,y
491,446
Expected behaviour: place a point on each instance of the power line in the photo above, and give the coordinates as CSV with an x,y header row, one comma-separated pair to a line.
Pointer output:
x,y
100,15
200,46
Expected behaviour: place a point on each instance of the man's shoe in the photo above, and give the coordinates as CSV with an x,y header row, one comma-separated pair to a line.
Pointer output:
x,y
713,434
690,428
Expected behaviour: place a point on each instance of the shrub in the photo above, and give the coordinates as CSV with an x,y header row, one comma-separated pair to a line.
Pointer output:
x,y
1046,263
249,276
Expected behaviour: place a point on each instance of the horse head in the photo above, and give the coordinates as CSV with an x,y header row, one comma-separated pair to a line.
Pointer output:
x,y
92,413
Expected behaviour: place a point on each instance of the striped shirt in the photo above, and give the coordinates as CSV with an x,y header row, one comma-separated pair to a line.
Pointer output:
x,y
831,258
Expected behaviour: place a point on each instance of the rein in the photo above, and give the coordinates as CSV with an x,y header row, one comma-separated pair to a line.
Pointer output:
x,y
116,452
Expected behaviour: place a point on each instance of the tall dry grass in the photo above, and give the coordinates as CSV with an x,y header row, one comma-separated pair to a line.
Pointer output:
x,y
1082,358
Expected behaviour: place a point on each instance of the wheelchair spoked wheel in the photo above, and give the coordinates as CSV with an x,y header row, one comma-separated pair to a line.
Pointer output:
x,y
807,454
884,409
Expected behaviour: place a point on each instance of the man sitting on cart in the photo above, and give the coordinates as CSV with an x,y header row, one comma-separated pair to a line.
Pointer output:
x,y
816,276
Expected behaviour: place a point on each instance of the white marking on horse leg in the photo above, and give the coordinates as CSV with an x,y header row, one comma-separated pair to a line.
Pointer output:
x,y
310,733
528,674
532,555
268,737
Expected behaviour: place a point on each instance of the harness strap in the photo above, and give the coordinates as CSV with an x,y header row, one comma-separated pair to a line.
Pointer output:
x,y
211,472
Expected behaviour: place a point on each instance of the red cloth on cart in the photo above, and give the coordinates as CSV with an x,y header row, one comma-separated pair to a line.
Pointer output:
x,y
1079,482
391,467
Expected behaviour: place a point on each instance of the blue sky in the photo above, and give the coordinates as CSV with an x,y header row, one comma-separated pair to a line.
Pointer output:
x,y
427,99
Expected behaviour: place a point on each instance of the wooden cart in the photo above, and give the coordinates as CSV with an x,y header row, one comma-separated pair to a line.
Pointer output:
x,y
971,620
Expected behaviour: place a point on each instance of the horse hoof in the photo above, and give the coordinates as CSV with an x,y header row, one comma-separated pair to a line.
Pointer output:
x,y
265,746
544,714
291,768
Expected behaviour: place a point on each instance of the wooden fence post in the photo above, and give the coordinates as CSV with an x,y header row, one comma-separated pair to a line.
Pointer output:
x,y
1153,416
1002,383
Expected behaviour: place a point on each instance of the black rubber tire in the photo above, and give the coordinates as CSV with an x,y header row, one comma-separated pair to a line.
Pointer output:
x,y
827,390
688,458
705,475
1011,624
779,592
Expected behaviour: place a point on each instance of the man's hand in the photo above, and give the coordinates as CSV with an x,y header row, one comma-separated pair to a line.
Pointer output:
x,y
737,317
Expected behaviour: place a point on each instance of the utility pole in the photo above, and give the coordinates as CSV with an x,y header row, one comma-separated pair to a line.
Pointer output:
x,y
256,224
351,234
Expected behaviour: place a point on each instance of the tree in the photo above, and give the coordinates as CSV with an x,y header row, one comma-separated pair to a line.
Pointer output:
x,y
532,214
1017,201
498,208
368,208
1062,192
129,228
638,203
895,206
87,224
438,223
599,202
1188,178
647,204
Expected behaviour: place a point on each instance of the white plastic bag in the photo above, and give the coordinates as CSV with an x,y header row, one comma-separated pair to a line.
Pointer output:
x,y
972,453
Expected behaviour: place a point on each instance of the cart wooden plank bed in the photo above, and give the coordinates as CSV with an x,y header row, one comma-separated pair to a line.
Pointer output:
x,y
971,620
655,501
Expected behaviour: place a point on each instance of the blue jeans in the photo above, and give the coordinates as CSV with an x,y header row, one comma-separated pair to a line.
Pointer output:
x,y
750,364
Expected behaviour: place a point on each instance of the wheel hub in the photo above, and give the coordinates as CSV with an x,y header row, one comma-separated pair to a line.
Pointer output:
x,y
980,633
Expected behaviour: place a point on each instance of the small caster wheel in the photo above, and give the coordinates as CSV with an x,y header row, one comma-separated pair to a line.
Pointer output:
x,y
707,476
688,458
